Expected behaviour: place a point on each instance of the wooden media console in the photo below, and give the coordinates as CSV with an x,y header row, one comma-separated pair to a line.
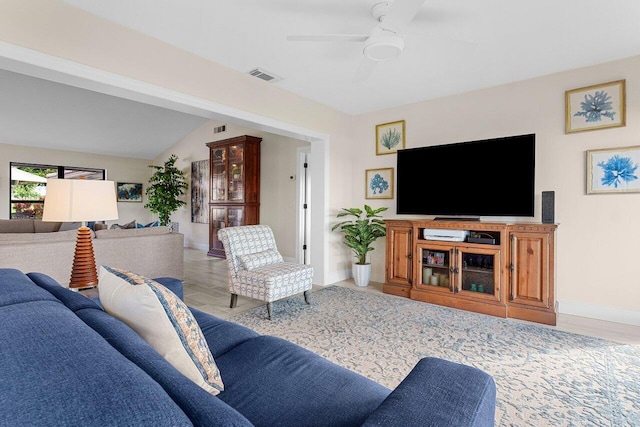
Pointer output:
x,y
500,269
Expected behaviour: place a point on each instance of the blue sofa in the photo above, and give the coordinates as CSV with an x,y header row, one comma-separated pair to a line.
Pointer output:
x,y
64,361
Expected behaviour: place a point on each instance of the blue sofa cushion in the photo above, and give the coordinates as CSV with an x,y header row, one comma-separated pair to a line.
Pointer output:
x,y
202,408
451,394
73,300
49,377
17,288
221,335
272,381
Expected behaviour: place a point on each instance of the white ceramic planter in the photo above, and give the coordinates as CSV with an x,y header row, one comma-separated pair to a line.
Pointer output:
x,y
361,274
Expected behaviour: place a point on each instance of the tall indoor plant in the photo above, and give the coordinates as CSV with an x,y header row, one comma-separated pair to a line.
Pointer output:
x,y
167,185
359,234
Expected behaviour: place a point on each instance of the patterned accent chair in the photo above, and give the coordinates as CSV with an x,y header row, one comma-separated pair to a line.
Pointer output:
x,y
256,268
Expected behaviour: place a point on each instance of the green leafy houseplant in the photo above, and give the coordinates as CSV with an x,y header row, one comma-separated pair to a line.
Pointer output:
x,y
167,184
362,231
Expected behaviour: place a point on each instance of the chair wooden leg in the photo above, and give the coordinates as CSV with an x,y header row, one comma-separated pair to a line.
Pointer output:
x,y
269,308
234,300
306,297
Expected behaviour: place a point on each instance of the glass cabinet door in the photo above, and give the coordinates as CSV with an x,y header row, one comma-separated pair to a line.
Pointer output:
x,y
236,175
479,272
457,269
218,175
436,268
235,216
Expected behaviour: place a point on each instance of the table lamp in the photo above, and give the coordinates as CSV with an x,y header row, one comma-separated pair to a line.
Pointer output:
x,y
80,200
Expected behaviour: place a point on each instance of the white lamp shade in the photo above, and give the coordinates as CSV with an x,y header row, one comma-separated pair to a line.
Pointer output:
x,y
71,200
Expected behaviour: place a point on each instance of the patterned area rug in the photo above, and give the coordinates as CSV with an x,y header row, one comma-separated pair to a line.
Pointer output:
x,y
544,377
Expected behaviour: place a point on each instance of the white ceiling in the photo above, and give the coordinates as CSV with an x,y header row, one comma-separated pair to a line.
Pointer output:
x,y
450,47
41,113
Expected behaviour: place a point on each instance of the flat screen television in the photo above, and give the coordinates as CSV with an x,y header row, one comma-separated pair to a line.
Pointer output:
x,y
491,177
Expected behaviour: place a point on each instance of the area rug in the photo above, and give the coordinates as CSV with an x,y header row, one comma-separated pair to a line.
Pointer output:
x,y
544,377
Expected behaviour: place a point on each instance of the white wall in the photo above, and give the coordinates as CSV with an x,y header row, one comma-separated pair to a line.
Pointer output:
x,y
119,169
277,192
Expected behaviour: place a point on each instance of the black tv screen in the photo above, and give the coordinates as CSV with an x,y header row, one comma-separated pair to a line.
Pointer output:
x,y
492,177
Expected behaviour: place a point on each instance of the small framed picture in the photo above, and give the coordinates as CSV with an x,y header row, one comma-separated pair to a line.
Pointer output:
x,y
613,170
389,137
129,192
595,107
379,183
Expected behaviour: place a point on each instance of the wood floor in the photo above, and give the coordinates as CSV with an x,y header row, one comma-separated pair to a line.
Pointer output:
x,y
205,288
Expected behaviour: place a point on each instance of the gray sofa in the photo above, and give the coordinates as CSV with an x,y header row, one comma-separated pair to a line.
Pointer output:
x,y
29,245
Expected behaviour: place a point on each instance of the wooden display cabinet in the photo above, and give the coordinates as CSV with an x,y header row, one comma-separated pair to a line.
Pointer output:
x,y
509,276
234,186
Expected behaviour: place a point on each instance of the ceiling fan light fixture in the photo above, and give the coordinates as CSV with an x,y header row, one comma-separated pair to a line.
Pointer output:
x,y
384,48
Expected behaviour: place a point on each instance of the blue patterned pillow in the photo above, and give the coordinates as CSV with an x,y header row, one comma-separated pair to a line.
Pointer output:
x,y
163,320
260,259
151,224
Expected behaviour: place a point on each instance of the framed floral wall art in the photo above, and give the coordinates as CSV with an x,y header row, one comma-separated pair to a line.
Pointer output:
x,y
389,137
613,170
379,183
595,107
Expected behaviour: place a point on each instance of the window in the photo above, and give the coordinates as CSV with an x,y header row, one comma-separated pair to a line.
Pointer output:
x,y
29,185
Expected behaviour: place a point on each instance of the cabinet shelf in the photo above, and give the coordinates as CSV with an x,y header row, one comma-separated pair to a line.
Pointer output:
x,y
478,270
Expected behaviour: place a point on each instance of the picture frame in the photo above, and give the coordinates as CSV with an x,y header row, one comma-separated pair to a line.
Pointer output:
x,y
129,192
434,258
390,137
613,170
200,191
379,183
595,107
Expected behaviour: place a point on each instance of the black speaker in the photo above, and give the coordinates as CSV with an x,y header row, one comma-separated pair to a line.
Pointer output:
x,y
548,207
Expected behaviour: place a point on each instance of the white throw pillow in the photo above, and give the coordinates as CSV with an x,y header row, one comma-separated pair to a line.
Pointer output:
x,y
260,259
161,319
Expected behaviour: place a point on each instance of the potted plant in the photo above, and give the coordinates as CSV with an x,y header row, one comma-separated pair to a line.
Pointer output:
x,y
359,234
167,184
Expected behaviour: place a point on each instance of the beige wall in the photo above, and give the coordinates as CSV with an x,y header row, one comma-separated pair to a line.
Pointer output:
x,y
119,169
592,228
597,267
277,192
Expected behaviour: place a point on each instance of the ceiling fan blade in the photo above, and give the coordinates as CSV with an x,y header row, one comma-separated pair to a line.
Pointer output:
x,y
400,14
364,69
328,38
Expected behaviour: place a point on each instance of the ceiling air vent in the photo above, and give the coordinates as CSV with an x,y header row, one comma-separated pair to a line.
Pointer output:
x,y
219,129
264,75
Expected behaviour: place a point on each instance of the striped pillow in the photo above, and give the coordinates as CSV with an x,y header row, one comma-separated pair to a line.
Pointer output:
x,y
163,320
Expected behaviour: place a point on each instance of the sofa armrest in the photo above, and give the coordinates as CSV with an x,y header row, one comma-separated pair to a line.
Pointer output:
x,y
438,392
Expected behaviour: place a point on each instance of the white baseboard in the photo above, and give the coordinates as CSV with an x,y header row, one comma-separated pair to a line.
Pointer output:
x,y
610,314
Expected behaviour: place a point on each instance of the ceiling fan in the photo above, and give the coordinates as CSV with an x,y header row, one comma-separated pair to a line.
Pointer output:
x,y
385,41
